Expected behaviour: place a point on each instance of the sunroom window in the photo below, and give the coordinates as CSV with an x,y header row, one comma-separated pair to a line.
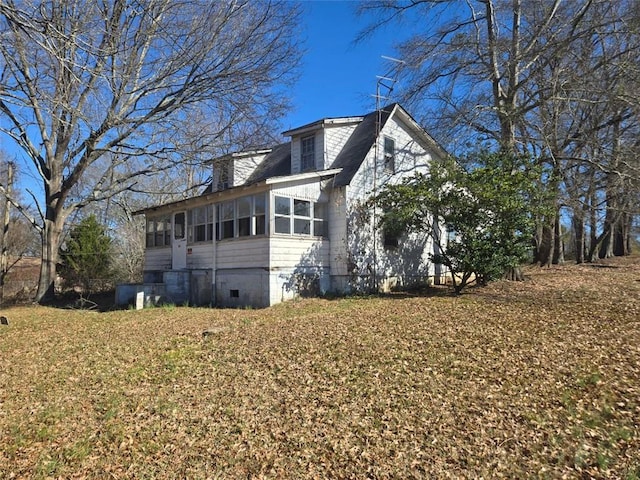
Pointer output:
x,y
158,232
226,214
200,224
282,215
300,217
242,217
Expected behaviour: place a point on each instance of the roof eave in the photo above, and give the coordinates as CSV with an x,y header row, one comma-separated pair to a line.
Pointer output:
x,y
216,195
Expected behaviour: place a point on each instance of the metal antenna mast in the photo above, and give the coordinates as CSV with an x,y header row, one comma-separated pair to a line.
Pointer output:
x,y
383,82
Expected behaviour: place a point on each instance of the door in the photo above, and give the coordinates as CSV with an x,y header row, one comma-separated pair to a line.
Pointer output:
x,y
179,243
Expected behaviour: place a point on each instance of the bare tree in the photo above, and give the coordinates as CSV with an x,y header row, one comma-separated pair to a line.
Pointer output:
x,y
530,76
97,94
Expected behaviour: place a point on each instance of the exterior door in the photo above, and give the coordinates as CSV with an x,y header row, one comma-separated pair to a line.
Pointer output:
x,y
179,241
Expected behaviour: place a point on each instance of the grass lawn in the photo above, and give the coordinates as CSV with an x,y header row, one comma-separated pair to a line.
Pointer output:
x,y
539,379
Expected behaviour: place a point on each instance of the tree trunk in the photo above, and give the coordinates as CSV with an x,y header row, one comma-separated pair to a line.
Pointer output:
x,y
51,238
558,244
578,228
514,274
621,235
6,215
545,251
606,246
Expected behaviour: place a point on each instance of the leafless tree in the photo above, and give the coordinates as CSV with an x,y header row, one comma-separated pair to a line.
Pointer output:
x,y
543,77
97,95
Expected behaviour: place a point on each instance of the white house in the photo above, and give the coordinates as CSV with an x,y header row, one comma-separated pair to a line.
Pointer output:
x,y
294,219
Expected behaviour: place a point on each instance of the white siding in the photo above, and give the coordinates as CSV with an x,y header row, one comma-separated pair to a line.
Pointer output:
x,y
293,252
338,256
244,167
334,140
408,262
200,255
305,191
243,253
157,258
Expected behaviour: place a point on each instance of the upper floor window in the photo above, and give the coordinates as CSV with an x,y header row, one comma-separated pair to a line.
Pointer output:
x,y
389,154
308,154
158,232
224,175
300,217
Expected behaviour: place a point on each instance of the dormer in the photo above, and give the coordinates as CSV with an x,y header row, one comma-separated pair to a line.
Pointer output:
x,y
316,145
234,169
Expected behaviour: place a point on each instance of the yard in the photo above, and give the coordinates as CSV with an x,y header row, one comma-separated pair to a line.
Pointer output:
x,y
537,379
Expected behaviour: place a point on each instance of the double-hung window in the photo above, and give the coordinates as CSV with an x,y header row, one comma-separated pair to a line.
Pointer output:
x,y
260,214
308,154
225,172
243,209
282,209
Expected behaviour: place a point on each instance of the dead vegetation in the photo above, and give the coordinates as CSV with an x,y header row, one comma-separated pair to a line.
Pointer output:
x,y
537,379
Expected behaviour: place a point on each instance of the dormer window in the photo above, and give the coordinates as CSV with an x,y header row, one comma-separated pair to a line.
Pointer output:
x,y
224,177
308,154
389,154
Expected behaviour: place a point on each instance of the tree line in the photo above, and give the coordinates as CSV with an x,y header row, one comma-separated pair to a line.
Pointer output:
x,y
551,80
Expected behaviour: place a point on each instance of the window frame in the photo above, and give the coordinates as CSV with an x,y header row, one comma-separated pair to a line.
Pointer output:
x,y
296,216
257,211
308,155
200,218
164,233
389,149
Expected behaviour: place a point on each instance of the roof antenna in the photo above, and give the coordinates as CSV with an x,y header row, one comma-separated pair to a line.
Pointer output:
x,y
387,82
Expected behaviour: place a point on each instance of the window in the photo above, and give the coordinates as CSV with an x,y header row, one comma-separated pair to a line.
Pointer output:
x,y
282,215
300,217
308,154
242,217
178,226
226,214
389,154
243,207
200,224
260,213
158,232
224,175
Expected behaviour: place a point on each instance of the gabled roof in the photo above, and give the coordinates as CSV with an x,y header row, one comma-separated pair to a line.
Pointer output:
x,y
276,165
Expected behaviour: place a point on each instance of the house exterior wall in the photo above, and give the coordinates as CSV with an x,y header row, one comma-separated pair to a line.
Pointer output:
x,y
244,167
299,267
371,264
157,258
335,137
267,269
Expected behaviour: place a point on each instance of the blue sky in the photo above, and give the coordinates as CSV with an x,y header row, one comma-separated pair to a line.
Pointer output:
x,y
338,77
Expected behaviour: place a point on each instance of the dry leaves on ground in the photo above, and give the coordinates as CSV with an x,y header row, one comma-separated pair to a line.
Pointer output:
x,y
536,379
